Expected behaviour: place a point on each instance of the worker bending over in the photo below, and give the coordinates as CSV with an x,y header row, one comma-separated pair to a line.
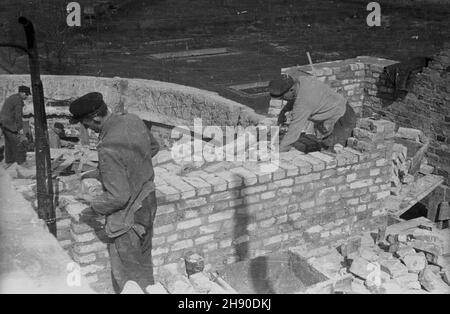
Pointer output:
x,y
313,103
11,123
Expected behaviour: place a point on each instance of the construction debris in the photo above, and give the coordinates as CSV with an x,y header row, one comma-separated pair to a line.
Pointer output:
x,y
408,158
420,264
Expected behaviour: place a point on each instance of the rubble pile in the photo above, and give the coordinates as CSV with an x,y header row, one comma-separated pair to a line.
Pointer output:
x,y
410,260
177,279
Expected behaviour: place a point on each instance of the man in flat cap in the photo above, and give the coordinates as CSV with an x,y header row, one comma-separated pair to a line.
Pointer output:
x,y
11,124
313,101
125,150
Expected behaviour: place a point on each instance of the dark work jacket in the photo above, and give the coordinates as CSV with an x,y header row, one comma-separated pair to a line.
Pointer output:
x,y
125,152
11,113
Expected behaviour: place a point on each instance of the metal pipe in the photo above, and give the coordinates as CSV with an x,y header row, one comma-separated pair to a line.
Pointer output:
x,y
44,181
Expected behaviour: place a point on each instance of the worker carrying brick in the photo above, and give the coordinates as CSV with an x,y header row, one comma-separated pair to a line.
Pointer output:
x,y
11,123
313,104
125,150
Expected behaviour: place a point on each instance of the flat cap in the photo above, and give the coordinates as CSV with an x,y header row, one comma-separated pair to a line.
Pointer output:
x,y
86,106
25,89
280,85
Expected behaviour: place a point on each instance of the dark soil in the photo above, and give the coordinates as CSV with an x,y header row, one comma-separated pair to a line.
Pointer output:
x,y
269,34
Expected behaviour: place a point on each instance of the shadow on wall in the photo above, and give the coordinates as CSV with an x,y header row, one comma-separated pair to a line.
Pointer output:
x,y
258,267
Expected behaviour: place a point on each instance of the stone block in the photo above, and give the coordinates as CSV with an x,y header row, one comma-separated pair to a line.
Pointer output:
x,y
232,179
369,254
415,262
432,282
156,289
404,251
392,287
217,184
410,134
350,247
181,245
426,247
253,190
248,176
227,195
186,190
167,193
361,268
221,216
189,224
75,210
393,267
200,185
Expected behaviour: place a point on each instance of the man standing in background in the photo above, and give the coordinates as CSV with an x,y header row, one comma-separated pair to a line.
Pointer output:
x,y
11,124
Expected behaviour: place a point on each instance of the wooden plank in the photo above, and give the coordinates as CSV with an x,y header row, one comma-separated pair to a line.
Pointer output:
x,y
416,192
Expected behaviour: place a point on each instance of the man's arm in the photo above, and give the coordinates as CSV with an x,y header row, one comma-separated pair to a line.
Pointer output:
x,y
115,184
154,145
296,128
282,116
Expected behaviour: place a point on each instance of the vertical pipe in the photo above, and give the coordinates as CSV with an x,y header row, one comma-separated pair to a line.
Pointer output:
x,y
44,182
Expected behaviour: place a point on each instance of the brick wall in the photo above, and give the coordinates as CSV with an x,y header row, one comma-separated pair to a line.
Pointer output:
x,y
425,107
353,78
232,211
154,101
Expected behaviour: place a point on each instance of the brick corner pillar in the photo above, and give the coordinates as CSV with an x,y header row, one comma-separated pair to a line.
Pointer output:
x,y
374,139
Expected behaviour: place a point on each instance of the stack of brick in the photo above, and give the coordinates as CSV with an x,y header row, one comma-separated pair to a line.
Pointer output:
x,y
400,168
88,244
378,86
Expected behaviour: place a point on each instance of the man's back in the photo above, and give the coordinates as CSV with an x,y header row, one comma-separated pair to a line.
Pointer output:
x,y
128,138
317,97
125,154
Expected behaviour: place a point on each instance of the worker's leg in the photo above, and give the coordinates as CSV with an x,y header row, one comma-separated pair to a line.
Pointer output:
x,y
131,253
11,142
342,129
21,151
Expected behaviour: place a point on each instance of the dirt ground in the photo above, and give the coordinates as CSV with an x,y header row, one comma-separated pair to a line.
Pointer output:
x,y
268,37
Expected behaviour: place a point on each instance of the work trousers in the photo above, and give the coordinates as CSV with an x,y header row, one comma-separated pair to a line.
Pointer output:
x,y
131,253
15,150
343,129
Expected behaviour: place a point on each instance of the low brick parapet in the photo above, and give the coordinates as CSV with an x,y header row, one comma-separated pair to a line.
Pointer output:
x,y
232,211
357,79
